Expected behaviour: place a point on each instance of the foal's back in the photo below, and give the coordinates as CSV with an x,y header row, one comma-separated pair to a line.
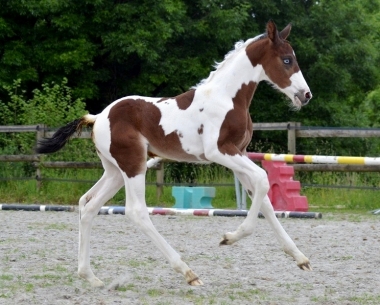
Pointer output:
x,y
172,128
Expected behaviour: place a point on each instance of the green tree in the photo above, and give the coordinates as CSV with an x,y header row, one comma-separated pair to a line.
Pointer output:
x,y
108,49
53,106
336,43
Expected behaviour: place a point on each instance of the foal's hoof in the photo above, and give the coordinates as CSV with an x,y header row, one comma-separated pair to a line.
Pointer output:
x,y
196,282
94,282
225,240
306,266
192,279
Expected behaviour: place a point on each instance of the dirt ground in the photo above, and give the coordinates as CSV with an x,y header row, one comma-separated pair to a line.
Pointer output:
x,y
38,264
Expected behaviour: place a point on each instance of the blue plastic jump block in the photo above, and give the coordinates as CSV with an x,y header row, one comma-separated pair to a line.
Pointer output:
x,y
193,197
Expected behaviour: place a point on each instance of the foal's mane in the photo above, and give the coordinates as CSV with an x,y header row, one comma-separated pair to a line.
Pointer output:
x,y
240,45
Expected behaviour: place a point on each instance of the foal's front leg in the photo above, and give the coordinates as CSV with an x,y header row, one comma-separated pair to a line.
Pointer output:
x,y
255,181
286,242
257,185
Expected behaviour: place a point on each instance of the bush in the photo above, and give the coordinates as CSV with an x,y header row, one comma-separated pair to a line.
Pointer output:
x,y
52,105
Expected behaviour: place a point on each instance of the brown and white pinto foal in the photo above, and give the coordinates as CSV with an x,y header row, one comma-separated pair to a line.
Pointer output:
x,y
209,123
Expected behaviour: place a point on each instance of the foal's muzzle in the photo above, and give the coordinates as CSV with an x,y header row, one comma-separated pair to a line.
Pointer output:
x,y
304,97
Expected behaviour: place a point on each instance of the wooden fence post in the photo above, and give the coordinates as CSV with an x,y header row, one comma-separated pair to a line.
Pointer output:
x,y
40,129
160,180
292,128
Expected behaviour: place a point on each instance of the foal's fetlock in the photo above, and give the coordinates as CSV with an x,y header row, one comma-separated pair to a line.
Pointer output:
x,y
227,239
302,261
232,237
224,241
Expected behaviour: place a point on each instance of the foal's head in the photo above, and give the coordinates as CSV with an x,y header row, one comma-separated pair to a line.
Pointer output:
x,y
280,65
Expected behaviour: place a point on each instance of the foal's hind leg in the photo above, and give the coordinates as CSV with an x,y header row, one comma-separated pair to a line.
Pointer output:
x,y
136,210
89,206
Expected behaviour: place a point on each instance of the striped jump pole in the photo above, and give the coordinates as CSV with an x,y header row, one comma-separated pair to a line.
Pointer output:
x,y
275,169
314,159
42,208
111,210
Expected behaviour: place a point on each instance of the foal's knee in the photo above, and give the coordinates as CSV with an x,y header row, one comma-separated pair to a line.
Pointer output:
x,y
260,182
82,202
263,184
87,209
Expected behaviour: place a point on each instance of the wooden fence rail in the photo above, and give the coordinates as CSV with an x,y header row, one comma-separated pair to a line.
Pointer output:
x,y
294,130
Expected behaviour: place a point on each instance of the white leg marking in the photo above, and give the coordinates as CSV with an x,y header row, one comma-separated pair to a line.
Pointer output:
x,y
89,206
136,210
255,181
153,162
286,242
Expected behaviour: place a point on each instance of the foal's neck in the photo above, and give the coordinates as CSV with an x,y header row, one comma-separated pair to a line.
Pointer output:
x,y
234,78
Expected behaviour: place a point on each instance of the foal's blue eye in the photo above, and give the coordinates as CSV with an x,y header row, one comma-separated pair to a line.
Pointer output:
x,y
286,61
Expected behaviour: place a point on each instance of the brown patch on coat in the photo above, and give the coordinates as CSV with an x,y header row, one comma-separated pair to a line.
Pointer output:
x,y
203,157
151,155
236,130
200,129
184,100
126,145
130,122
270,54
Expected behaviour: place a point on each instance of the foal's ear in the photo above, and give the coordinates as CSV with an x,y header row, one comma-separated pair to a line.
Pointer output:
x,y
286,31
272,31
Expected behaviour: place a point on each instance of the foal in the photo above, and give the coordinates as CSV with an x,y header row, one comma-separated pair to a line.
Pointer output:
x,y
209,123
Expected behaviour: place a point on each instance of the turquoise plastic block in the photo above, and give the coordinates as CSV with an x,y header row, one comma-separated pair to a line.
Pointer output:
x,y
193,197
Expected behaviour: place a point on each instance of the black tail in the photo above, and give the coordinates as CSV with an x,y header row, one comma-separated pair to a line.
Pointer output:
x,y
61,137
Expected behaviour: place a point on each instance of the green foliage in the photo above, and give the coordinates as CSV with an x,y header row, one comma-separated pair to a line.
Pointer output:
x,y
108,49
336,43
194,173
320,199
53,106
338,59
371,108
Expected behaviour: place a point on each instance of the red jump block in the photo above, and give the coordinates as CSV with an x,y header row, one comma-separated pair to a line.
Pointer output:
x,y
284,192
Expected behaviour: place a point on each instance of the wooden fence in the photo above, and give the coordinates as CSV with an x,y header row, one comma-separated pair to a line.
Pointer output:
x,y
294,131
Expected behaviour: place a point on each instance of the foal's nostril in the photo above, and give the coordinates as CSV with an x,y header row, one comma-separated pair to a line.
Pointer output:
x,y
308,95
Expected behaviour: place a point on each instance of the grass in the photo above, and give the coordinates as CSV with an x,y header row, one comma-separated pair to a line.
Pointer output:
x,y
366,299
341,199
6,277
68,192
229,295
